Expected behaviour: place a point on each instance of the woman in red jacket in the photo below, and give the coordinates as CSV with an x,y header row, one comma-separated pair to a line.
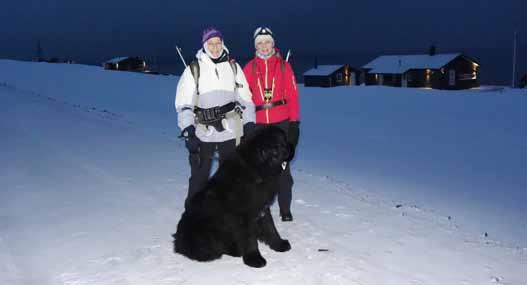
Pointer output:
x,y
273,87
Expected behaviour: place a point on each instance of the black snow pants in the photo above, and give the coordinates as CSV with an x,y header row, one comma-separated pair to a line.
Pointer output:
x,y
285,194
201,164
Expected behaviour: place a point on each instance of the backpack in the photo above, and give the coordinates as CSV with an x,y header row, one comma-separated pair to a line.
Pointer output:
x,y
194,69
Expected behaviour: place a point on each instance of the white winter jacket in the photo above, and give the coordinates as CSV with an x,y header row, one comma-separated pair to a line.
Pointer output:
x,y
216,88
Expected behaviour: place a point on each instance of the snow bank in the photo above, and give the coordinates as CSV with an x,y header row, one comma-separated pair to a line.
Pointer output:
x,y
392,186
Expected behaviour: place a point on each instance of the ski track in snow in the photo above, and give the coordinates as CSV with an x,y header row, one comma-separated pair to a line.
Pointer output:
x,y
323,235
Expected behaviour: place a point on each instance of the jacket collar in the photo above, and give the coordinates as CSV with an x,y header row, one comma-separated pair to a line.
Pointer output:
x,y
204,57
274,57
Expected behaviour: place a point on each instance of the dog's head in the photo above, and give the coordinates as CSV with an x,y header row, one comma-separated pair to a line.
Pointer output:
x,y
267,149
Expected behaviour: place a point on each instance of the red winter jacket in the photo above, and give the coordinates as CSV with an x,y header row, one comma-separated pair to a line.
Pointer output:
x,y
264,74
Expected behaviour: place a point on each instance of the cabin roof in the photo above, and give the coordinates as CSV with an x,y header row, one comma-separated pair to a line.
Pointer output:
x,y
323,70
398,64
117,59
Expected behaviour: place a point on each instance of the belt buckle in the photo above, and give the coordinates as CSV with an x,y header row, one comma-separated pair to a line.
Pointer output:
x,y
268,94
267,105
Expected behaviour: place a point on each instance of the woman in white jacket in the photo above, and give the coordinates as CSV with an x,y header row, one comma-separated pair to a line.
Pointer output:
x,y
213,101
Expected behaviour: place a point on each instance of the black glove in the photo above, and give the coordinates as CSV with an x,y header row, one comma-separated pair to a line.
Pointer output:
x,y
248,128
191,141
294,133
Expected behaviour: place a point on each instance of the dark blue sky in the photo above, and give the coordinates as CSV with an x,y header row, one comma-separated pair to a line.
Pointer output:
x,y
92,31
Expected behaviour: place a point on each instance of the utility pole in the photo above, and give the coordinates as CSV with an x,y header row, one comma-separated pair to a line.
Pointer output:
x,y
514,54
39,53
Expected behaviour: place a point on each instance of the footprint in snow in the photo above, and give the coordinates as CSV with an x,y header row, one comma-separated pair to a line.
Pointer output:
x,y
496,280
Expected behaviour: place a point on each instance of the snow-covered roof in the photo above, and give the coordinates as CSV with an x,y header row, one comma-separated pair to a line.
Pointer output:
x,y
117,59
401,63
323,70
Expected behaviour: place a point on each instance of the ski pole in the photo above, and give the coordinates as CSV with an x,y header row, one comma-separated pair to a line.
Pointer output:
x,y
181,56
287,55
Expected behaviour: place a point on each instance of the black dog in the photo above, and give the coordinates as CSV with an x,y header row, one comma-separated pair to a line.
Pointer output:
x,y
232,213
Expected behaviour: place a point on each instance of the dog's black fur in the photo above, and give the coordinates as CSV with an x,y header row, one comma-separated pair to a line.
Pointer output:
x,y
232,213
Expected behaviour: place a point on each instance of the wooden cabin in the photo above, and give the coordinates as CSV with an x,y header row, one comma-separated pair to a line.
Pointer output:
x,y
438,71
331,75
126,63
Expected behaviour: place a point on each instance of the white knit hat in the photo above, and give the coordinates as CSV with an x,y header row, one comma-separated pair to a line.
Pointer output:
x,y
262,34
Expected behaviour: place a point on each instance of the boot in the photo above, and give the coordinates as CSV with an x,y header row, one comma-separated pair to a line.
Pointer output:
x,y
286,217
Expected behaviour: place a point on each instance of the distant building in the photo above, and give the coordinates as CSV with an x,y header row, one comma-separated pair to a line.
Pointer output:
x,y
53,60
331,75
523,82
438,71
126,63
58,60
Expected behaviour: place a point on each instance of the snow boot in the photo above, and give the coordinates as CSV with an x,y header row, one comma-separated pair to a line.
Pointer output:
x,y
286,217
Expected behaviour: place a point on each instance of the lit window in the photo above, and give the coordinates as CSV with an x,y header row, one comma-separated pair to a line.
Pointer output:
x,y
468,76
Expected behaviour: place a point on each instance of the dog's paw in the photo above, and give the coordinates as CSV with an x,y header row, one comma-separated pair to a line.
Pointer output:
x,y
254,259
281,246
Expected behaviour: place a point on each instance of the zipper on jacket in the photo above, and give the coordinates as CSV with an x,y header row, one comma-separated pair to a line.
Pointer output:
x,y
266,87
266,75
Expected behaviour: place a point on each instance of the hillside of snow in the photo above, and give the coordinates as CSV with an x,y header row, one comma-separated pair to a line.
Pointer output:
x,y
392,185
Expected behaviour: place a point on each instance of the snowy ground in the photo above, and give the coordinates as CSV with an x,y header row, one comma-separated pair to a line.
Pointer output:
x,y
398,185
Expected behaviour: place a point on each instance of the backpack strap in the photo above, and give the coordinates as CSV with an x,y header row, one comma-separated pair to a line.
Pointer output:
x,y
234,67
282,63
194,69
253,66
